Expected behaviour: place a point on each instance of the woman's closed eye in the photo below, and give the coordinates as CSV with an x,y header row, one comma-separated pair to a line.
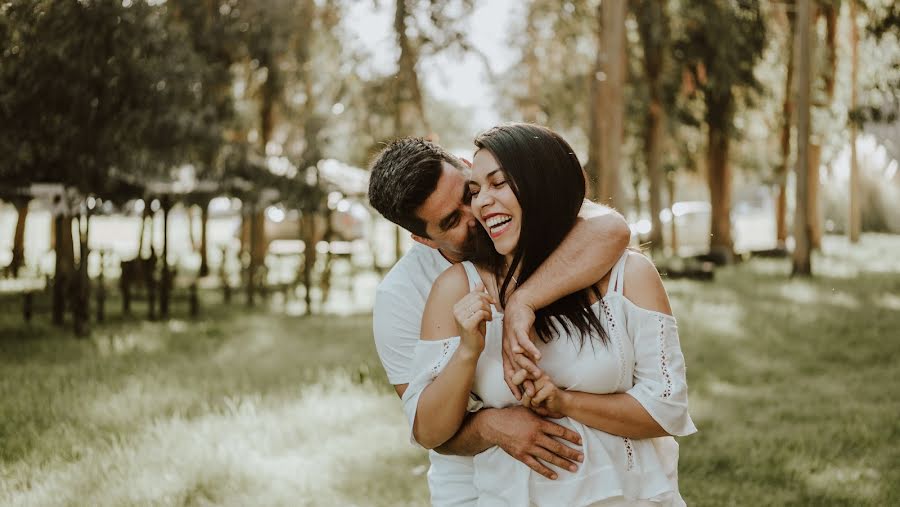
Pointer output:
x,y
498,184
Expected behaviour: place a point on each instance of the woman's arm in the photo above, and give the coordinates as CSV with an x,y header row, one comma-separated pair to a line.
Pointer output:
x,y
657,404
587,253
451,311
616,414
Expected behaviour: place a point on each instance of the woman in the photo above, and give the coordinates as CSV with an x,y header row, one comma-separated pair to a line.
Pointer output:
x,y
614,371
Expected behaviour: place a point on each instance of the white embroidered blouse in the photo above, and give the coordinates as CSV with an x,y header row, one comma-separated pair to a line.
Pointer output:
x,y
642,358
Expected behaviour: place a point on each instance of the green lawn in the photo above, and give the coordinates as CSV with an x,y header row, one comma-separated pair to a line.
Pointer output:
x,y
794,386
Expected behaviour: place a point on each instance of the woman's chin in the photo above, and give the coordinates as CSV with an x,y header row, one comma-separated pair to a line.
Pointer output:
x,y
504,247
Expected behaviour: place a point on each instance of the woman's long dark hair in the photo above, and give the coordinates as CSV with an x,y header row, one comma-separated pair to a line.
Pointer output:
x,y
546,177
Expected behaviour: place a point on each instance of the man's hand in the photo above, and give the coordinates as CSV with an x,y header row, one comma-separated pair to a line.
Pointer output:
x,y
533,440
519,350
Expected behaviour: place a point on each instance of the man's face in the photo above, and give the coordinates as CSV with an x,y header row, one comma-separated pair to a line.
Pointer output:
x,y
447,216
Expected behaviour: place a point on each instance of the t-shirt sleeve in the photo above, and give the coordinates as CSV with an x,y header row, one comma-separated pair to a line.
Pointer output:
x,y
396,323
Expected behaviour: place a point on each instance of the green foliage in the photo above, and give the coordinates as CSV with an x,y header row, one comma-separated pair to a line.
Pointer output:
x,y
722,71
89,86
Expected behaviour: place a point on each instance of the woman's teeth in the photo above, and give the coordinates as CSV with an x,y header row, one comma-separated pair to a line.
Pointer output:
x,y
497,224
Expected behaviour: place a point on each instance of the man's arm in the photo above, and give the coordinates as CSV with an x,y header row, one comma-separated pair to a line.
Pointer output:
x,y
520,432
587,253
524,435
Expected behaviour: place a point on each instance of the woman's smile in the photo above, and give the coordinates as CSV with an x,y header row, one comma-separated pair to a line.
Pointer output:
x,y
497,223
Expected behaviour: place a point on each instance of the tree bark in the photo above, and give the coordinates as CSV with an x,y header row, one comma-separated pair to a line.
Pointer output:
x,y
787,111
815,211
801,265
652,150
18,251
608,105
530,106
65,265
165,290
718,167
653,25
309,234
854,225
204,245
409,119
670,185
82,287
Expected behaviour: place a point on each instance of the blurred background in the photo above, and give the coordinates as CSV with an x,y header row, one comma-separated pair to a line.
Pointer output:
x,y
189,259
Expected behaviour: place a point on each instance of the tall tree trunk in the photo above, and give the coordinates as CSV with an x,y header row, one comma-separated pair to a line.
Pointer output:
x,y
828,11
802,234
530,105
719,176
653,25
82,287
18,251
608,105
65,263
204,244
410,118
815,211
855,216
165,290
670,185
410,114
787,111
309,234
654,168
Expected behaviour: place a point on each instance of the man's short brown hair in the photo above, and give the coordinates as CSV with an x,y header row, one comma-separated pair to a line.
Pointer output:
x,y
403,175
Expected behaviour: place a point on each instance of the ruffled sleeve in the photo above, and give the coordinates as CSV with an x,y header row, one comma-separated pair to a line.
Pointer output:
x,y
660,381
431,356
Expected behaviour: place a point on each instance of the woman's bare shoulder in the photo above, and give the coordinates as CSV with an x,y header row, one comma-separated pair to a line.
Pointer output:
x,y
453,282
437,319
643,285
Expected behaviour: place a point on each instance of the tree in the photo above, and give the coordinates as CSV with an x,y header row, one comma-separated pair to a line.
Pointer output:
x,y
414,36
855,214
785,139
607,105
653,25
724,74
103,95
802,230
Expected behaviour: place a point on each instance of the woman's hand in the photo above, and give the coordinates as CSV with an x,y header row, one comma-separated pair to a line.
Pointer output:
x,y
549,400
471,313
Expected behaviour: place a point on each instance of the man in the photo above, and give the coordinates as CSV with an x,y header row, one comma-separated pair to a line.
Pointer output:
x,y
422,188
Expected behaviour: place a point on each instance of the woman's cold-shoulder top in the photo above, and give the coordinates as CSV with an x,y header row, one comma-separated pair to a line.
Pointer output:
x,y
642,358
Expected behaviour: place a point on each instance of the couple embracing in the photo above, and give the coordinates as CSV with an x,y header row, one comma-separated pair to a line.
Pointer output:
x,y
535,356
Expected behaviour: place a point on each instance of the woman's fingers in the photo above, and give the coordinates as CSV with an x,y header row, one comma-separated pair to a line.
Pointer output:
x,y
509,374
519,376
543,393
525,363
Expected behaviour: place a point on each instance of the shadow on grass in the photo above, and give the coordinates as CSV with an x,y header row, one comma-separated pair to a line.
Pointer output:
x,y
790,387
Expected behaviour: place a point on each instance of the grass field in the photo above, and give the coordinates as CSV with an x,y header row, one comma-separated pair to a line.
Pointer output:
x,y
795,386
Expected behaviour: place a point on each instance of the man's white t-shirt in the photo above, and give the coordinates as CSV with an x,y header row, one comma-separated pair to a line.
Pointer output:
x,y
397,321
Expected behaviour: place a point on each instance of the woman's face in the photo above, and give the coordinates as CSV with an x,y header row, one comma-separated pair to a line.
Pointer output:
x,y
494,204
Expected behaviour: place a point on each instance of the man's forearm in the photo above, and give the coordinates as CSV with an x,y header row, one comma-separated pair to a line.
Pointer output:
x,y
584,257
470,439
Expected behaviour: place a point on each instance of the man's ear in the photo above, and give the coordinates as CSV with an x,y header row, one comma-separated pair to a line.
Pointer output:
x,y
425,241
